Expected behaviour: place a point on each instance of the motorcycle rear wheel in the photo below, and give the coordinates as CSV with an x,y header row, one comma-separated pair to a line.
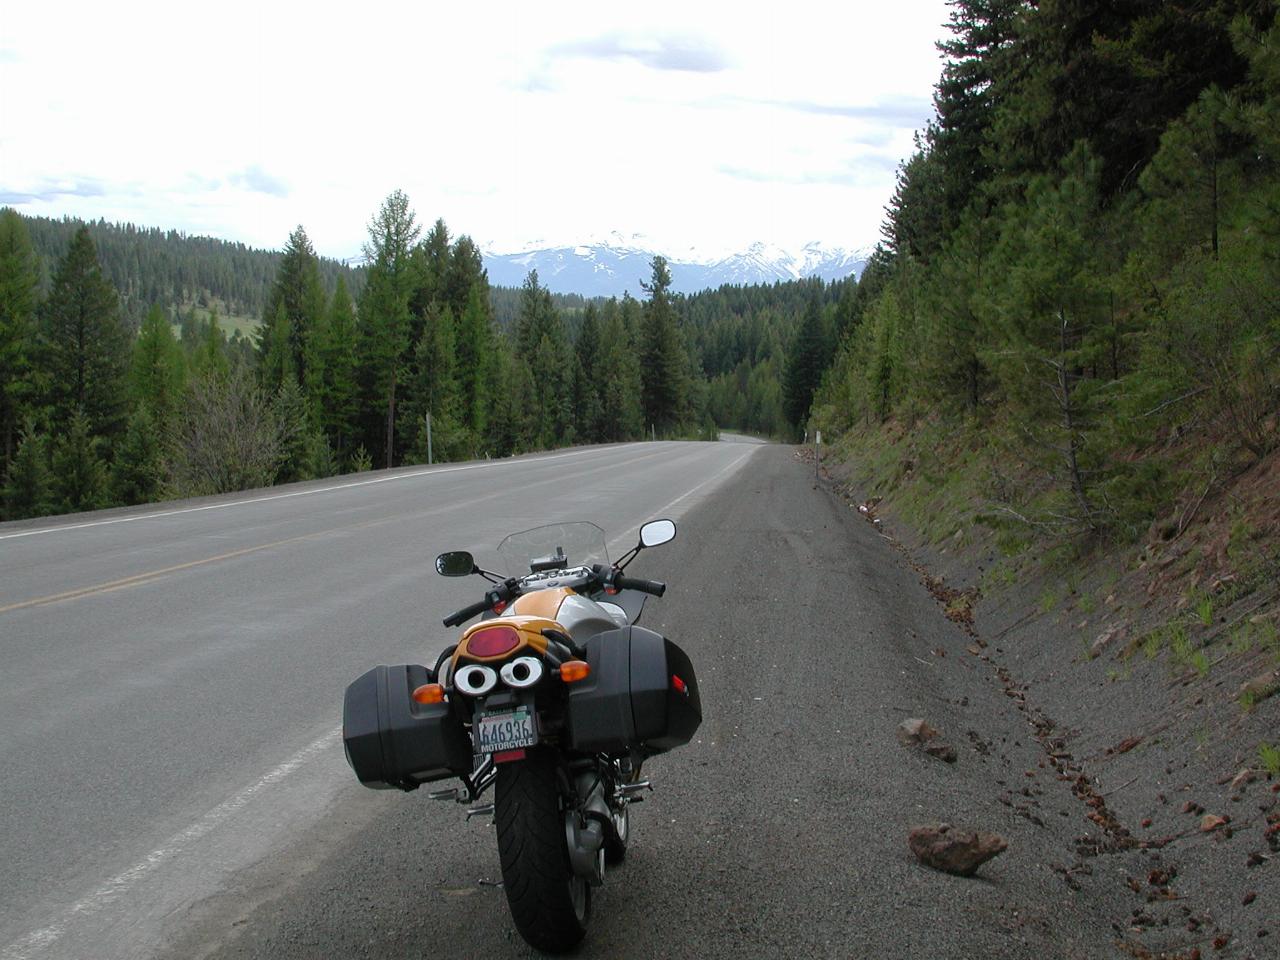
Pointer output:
x,y
549,903
617,832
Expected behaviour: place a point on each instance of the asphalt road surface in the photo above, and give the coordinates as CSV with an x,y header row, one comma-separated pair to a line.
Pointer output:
x,y
172,780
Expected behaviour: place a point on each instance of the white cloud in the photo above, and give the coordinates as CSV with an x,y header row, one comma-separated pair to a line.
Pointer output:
x,y
711,126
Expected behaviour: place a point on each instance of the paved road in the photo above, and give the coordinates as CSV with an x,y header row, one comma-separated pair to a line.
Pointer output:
x,y
176,781
727,437
172,678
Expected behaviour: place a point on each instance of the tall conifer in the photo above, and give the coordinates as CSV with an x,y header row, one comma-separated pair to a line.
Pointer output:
x,y
87,343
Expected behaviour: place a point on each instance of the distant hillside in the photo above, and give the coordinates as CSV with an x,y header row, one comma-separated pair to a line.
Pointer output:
x,y
148,265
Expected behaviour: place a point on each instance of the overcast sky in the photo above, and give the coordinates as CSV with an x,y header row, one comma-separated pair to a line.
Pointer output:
x,y
705,126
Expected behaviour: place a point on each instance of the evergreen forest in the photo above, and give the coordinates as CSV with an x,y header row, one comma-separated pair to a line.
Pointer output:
x,y
1074,305
1073,318
138,364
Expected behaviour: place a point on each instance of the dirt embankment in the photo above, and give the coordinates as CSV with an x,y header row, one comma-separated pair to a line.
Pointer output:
x,y
1150,678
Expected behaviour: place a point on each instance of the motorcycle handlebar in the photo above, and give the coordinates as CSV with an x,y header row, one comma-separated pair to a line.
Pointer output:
x,y
654,588
466,613
618,581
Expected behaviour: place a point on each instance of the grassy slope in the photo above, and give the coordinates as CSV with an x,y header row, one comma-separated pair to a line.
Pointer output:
x,y
1197,596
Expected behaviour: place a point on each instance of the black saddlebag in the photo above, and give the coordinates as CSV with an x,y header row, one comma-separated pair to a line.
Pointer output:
x,y
642,694
393,741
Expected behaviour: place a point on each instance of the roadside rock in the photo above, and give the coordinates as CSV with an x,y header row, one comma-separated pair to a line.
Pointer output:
x,y
943,751
1103,640
1259,688
1240,779
915,733
959,852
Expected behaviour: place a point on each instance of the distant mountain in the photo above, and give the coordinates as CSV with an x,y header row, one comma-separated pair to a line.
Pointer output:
x,y
615,265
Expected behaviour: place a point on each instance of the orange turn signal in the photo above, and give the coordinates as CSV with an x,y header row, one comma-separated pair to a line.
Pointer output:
x,y
429,693
571,671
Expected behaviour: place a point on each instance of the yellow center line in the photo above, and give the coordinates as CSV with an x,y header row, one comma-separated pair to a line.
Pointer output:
x,y
142,578
139,578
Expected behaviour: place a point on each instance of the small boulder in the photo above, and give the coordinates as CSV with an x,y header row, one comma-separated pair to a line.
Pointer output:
x,y
1240,779
1261,687
943,751
958,852
1103,640
914,732
1210,822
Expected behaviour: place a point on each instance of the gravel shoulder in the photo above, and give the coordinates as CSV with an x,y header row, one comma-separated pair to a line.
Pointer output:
x,y
1180,846
781,830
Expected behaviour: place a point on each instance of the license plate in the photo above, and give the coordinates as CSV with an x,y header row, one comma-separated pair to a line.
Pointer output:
x,y
506,731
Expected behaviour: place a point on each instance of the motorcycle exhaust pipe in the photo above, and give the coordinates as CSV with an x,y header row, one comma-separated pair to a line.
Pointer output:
x,y
584,833
585,838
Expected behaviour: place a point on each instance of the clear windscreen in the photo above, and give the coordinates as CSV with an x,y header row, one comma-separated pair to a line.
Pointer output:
x,y
579,542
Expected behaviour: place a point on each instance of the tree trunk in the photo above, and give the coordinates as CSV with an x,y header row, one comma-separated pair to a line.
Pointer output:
x,y
1065,388
1213,173
391,420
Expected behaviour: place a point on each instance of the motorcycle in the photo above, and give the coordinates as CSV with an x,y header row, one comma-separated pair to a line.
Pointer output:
x,y
556,698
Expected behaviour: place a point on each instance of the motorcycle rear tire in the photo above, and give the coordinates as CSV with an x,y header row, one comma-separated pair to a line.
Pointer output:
x,y
549,903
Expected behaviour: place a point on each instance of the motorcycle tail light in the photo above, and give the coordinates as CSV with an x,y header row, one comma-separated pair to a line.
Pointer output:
x,y
571,671
493,641
429,693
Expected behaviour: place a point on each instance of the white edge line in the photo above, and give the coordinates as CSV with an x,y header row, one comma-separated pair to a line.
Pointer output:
x,y
21,949
691,491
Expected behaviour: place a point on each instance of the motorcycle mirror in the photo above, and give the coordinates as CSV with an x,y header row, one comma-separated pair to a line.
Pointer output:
x,y
456,563
657,532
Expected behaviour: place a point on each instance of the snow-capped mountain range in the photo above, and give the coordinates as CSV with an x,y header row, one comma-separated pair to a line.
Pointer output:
x,y
612,265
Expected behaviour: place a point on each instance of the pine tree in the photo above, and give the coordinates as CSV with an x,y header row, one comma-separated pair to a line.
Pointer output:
x,y
465,273
27,490
79,475
276,365
432,389
543,345
18,279
432,259
87,344
1051,319
137,470
587,404
538,317
385,320
622,416
298,301
662,354
1192,180
337,397
957,291
297,436
978,56
157,372
806,360
477,343
210,357
515,424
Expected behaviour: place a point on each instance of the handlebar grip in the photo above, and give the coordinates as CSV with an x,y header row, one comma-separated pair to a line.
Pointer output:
x,y
654,588
466,613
